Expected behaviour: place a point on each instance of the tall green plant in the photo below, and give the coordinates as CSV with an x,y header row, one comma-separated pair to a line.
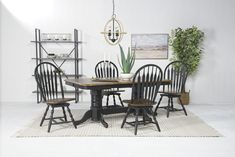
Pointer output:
x,y
187,46
128,61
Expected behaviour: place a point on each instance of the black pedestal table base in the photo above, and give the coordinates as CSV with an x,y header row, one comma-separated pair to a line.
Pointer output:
x,y
96,111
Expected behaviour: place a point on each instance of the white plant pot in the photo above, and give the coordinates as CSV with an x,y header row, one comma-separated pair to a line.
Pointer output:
x,y
126,76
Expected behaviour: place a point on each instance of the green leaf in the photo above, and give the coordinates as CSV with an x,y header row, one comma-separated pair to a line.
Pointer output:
x,y
187,46
127,62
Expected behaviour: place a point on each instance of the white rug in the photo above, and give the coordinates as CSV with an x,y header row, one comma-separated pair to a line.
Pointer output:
x,y
177,125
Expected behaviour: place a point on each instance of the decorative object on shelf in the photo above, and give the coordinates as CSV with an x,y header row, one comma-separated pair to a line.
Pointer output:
x,y
51,55
187,47
150,46
64,55
56,37
126,63
59,56
113,30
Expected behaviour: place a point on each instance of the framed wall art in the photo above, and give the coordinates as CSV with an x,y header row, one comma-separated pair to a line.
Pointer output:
x,y
150,46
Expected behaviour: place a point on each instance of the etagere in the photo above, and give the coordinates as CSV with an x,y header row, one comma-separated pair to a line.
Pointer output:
x,y
73,56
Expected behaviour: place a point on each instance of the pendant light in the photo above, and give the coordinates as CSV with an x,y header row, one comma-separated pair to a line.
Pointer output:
x,y
113,30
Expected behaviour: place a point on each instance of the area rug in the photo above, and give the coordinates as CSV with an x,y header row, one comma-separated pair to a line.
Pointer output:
x,y
177,125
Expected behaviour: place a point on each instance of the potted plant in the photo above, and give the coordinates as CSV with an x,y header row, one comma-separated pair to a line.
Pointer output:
x,y
187,47
126,63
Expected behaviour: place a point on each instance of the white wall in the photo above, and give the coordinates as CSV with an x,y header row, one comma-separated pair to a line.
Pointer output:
x,y
214,83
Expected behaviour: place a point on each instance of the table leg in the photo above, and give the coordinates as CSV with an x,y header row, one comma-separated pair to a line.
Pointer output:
x,y
96,107
85,117
96,110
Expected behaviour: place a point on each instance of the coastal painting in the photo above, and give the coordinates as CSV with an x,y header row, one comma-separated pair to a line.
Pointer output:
x,y
150,46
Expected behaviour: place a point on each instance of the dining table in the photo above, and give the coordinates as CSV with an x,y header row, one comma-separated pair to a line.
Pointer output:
x,y
96,86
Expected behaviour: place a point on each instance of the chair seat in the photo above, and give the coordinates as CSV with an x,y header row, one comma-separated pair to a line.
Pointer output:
x,y
139,103
112,92
172,94
59,101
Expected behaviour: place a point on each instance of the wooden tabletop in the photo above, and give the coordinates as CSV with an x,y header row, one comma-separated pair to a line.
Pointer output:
x,y
90,83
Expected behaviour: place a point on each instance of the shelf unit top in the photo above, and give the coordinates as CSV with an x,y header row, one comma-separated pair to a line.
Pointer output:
x,y
68,75
60,58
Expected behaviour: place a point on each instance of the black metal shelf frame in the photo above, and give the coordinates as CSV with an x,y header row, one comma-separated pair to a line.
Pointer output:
x,y
40,49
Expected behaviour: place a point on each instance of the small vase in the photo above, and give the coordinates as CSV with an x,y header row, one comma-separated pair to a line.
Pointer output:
x,y
126,76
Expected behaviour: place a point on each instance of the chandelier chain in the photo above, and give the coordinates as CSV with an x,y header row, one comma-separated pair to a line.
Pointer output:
x,y
113,8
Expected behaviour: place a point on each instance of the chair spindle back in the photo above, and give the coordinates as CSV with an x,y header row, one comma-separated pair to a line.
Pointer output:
x,y
176,72
106,69
48,78
146,83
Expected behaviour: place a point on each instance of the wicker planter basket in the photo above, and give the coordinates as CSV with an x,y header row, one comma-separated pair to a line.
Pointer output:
x,y
184,98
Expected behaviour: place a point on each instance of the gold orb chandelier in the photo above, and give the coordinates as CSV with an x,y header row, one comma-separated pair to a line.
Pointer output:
x,y
113,30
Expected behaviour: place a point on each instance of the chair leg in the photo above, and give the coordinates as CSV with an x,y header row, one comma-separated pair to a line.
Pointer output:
x,y
155,120
124,120
44,115
172,105
136,120
107,101
168,108
144,115
120,99
103,121
51,118
183,106
114,101
65,117
71,116
155,111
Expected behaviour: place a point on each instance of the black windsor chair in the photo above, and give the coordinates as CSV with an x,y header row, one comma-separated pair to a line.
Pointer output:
x,y
107,69
176,72
146,83
48,78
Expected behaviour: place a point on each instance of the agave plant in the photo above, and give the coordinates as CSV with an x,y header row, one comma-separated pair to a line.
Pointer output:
x,y
128,61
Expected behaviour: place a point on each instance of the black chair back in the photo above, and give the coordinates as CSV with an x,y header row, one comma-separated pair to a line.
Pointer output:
x,y
146,83
48,78
176,72
106,69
